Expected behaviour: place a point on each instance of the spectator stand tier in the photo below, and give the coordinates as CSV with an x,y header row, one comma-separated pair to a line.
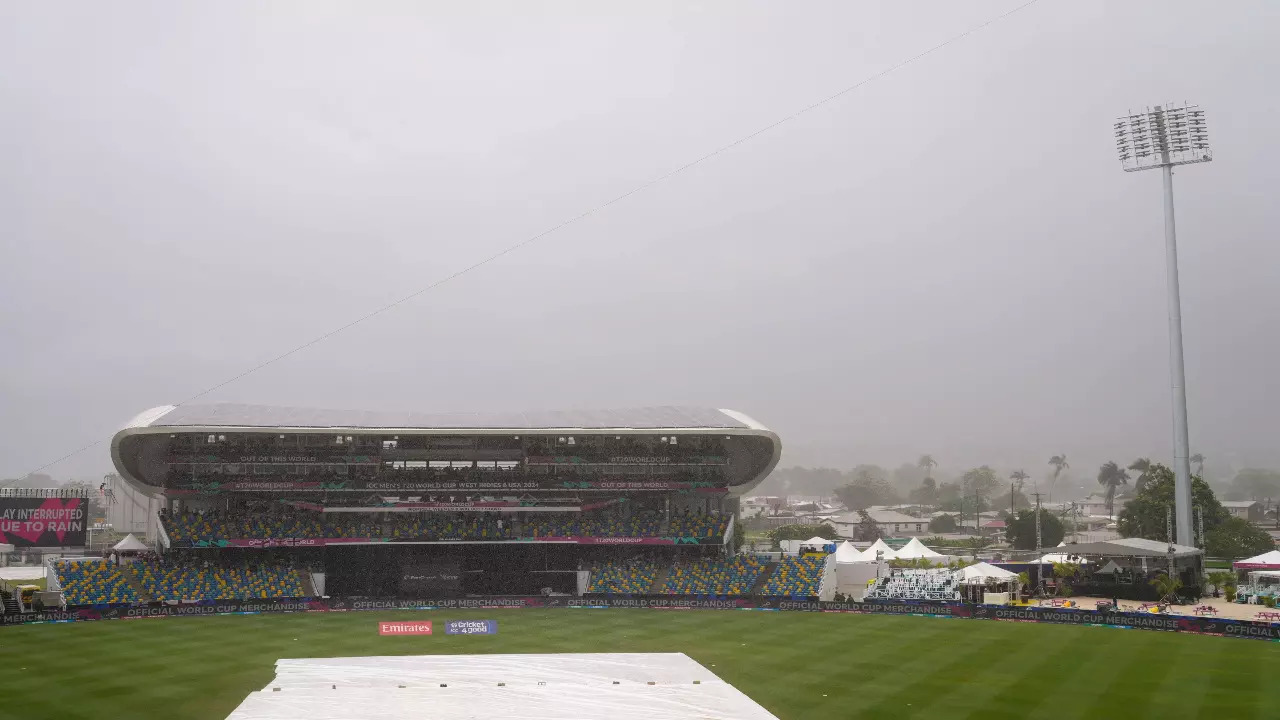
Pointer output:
x,y
94,582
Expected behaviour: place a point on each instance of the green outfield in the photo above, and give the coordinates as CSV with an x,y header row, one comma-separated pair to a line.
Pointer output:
x,y
801,666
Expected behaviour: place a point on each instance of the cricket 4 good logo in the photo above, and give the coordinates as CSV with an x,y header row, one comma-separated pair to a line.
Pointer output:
x,y
422,627
471,627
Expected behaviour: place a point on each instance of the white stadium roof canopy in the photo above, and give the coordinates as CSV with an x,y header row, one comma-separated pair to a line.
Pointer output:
x,y
136,457
265,416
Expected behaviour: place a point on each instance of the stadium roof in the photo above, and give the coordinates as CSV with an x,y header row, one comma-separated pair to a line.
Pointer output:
x,y
137,458
265,416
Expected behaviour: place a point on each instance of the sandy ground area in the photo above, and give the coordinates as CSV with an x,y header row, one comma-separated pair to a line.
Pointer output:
x,y
1224,608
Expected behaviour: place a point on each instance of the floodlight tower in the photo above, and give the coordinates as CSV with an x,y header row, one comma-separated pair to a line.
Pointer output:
x,y
1163,137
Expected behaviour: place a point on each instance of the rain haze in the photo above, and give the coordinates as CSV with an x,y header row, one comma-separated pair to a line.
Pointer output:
x,y
947,259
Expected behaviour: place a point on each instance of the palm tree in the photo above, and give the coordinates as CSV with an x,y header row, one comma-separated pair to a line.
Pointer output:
x,y
1065,572
1142,466
1221,580
927,463
1059,463
1198,459
1167,587
1019,478
1112,476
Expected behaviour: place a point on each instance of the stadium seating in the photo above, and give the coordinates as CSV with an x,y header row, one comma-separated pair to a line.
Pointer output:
x,y
216,525
623,577
224,526
715,576
594,525
242,582
94,582
796,577
446,527
699,526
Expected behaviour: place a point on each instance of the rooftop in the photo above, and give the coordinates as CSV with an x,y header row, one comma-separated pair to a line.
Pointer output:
x,y
880,516
1128,547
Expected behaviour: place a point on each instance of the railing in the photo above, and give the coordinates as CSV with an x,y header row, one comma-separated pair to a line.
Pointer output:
x,y
51,575
61,493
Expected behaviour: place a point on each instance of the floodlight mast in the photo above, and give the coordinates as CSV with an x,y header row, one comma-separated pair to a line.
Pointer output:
x,y
1163,137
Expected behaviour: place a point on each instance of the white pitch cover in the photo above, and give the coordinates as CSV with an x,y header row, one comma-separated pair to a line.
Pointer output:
x,y
586,686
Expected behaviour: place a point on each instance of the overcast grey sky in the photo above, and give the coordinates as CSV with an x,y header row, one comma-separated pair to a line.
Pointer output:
x,y
947,260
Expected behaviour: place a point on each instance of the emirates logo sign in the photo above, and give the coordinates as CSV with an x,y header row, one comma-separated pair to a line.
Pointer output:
x,y
405,628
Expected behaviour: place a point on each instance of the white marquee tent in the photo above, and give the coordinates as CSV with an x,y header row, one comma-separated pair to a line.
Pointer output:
x,y
915,549
982,573
130,544
1111,568
869,554
1062,558
847,553
1265,561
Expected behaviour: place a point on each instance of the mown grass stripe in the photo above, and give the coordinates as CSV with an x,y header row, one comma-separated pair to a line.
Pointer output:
x,y
867,666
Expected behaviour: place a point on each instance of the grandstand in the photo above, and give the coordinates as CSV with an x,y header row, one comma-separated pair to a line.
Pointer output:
x,y
796,577
88,582
263,502
714,576
239,581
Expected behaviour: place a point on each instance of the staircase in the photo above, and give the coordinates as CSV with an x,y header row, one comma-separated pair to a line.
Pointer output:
x,y
308,587
131,577
660,580
763,580
10,602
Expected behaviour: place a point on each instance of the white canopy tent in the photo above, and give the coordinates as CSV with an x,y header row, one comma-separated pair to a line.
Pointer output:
x,y
1062,558
869,554
988,584
983,573
1266,561
1110,568
915,549
130,543
847,553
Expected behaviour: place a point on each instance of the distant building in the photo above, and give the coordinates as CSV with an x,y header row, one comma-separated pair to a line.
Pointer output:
x,y
1096,505
891,522
1251,510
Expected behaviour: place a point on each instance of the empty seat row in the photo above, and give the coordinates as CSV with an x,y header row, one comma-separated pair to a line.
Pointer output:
x,y
715,576
623,577
94,582
220,525
796,577
193,583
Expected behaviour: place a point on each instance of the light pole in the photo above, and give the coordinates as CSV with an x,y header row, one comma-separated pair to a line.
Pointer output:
x,y
1163,137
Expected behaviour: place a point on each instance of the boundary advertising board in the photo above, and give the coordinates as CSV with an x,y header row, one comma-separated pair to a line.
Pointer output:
x,y
563,540
1142,621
